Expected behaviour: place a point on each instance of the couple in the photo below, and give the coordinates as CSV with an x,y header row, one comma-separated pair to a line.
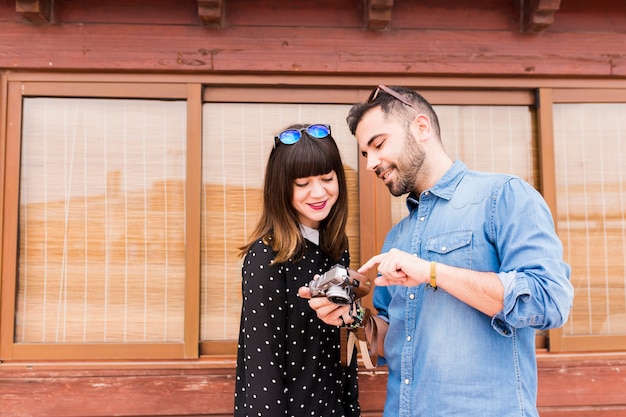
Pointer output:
x,y
463,280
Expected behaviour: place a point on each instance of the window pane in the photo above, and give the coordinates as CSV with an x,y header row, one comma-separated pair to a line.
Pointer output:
x,y
590,149
237,140
486,138
102,220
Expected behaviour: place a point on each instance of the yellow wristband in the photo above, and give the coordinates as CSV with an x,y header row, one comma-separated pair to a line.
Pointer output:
x,y
433,274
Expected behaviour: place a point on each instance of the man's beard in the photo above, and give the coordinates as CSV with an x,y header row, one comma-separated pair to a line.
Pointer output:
x,y
407,167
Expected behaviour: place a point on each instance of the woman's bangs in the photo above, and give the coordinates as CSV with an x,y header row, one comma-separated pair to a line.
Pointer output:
x,y
316,160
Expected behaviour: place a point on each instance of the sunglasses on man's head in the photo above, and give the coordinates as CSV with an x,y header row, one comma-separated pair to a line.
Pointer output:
x,y
291,136
391,92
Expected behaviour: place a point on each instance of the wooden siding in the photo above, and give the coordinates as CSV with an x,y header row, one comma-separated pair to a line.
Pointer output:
x,y
569,386
425,37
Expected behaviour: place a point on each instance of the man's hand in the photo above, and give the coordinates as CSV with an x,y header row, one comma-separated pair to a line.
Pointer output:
x,y
482,290
398,268
327,311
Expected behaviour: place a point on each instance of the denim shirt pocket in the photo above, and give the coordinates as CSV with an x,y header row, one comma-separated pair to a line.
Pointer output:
x,y
451,248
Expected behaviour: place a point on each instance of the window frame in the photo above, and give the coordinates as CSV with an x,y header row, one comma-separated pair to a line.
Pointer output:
x,y
375,215
559,342
16,92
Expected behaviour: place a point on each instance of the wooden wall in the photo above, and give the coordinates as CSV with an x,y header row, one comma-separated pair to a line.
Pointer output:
x,y
569,386
454,37
449,38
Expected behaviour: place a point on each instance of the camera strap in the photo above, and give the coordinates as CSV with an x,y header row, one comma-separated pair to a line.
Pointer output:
x,y
358,337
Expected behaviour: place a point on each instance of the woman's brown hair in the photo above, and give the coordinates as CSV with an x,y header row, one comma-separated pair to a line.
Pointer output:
x,y
279,226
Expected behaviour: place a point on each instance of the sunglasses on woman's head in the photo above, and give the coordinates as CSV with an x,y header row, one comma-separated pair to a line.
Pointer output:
x,y
391,92
291,136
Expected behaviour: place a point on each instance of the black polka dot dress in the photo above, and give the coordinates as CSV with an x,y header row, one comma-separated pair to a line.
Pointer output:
x,y
288,361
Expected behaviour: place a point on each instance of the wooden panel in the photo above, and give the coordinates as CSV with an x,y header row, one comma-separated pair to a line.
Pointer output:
x,y
375,222
116,90
569,386
335,82
178,12
279,95
193,185
334,95
289,13
128,393
148,392
299,50
576,95
596,411
596,16
492,15
3,136
582,381
10,185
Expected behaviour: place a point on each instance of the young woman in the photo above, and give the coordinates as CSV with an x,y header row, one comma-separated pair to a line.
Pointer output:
x,y
288,361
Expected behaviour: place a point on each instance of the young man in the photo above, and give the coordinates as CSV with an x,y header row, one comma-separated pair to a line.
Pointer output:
x,y
464,279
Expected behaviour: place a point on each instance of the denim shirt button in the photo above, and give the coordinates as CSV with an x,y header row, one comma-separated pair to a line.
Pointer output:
x,y
422,218
408,338
407,382
412,296
443,249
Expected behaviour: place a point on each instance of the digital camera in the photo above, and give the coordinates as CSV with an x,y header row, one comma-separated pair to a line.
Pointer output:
x,y
337,285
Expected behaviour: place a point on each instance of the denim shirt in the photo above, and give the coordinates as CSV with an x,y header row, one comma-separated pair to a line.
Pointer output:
x,y
444,357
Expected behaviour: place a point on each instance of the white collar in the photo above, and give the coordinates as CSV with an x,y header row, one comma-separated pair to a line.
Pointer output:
x,y
310,234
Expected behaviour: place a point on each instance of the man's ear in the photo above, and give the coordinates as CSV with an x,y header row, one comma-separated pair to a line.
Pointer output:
x,y
421,124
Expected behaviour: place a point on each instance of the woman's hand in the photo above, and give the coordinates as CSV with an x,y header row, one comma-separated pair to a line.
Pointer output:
x,y
327,311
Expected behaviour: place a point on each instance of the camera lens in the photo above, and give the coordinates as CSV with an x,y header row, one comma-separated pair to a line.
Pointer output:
x,y
339,295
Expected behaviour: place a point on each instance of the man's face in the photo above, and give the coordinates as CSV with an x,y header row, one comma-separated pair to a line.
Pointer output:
x,y
392,151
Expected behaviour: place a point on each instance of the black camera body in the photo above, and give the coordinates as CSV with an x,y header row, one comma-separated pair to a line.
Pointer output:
x,y
336,285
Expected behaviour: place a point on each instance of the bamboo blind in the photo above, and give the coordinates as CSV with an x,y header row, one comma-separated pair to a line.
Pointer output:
x,y
590,149
101,221
237,139
486,138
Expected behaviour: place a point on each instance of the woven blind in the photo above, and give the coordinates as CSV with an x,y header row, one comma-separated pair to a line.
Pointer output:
x,y
237,140
486,138
590,152
101,221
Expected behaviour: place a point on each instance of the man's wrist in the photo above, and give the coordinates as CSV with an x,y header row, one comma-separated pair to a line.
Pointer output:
x,y
433,274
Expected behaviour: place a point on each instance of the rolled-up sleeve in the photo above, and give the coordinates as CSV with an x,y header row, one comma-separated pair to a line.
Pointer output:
x,y
536,279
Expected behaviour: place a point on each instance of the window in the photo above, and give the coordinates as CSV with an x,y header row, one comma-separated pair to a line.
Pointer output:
x,y
590,156
125,206
96,214
125,202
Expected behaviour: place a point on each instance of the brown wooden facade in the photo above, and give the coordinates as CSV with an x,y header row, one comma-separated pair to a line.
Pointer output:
x,y
484,45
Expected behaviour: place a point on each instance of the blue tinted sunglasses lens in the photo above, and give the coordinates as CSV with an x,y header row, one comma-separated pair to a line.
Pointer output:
x,y
318,131
289,137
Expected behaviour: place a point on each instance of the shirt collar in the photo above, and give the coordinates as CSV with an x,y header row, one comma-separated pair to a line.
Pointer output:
x,y
310,234
444,188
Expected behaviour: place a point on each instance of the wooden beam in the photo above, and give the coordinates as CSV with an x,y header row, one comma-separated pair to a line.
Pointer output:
x,y
35,11
378,14
211,12
538,15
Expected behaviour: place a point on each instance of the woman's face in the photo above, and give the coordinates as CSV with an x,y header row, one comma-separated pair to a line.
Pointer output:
x,y
314,197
